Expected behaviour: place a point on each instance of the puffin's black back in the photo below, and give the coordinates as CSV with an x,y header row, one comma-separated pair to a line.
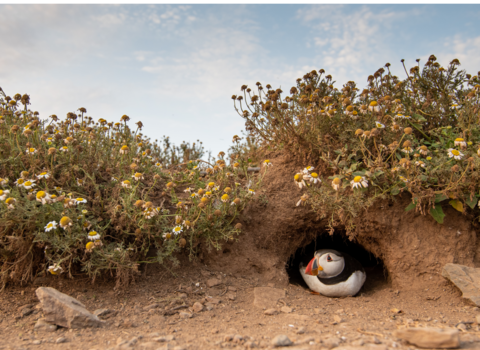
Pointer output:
x,y
351,265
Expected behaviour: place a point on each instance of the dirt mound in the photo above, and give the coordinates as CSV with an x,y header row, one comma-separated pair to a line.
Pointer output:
x,y
413,248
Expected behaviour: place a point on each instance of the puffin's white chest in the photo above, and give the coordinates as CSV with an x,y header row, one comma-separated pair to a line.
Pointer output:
x,y
350,287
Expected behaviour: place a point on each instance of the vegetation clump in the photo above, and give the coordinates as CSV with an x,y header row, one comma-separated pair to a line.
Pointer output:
x,y
79,195
419,135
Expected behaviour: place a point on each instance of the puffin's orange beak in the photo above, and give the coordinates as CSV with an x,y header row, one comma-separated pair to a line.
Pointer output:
x,y
313,268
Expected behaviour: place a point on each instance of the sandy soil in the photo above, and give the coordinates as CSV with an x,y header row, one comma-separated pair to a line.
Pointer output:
x,y
315,322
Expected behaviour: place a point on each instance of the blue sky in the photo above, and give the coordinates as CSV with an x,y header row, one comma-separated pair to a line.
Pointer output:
x,y
175,67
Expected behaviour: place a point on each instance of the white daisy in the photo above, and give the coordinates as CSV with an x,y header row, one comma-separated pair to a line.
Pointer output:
x,y
177,230
93,235
359,181
43,175
453,153
379,125
3,194
52,225
460,142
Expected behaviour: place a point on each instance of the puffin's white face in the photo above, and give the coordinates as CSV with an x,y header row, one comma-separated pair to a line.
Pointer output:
x,y
330,265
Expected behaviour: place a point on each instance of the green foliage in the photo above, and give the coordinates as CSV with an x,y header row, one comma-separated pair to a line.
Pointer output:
x,y
79,195
419,135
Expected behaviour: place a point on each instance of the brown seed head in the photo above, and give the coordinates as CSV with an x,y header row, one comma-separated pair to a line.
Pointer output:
x,y
407,131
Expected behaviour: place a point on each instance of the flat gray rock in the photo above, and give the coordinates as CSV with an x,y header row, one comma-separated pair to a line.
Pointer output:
x,y
281,340
267,297
65,311
467,279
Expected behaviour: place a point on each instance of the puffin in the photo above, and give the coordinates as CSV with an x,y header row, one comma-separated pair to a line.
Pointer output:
x,y
333,274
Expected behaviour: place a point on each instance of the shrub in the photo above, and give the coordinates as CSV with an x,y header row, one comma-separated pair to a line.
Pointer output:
x,y
418,135
101,197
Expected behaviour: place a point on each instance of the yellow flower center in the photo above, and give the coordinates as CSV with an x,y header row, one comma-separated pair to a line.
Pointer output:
x,y
89,245
126,182
211,184
124,148
337,181
298,177
357,178
459,139
455,152
10,201
225,197
314,175
64,221
28,183
177,228
208,193
92,233
373,103
31,150
41,194
80,199
138,174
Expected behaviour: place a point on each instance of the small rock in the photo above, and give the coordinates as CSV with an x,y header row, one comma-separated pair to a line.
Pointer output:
x,y
266,297
65,311
212,282
237,338
105,313
462,327
184,314
153,335
165,339
331,342
44,326
183,296
228,337
36,342
301,330
286,309
430,337
270,312
231,296
306,340
26,311
211,300
250,345
338,319
197,307
151,306
281,340
149,345
208,306
358,342
61,340
232,289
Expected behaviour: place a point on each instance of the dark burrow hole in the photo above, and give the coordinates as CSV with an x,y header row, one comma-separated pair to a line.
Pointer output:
x,y
377,276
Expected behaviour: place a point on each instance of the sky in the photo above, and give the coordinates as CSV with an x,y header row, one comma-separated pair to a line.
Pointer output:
x,y
175,67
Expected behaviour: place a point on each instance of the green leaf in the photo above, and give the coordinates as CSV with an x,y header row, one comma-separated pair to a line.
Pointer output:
x,y
419,118
457,205
398,156
437,213
395,191
472,203
410,206
440,197
359,173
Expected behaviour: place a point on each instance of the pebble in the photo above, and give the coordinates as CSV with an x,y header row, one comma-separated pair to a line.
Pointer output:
x,y
228,337
270,312
153,335
212,282
44,326
231,296
301,330
286,309
281,340
430,337
209,306
338,319
306,340
61,340
462,327
149,307
250,344
237,338
331,342
184,314
165,339
36,342
197,307
232,289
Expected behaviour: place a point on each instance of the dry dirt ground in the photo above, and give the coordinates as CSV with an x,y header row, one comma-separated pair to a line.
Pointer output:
x,y
229,318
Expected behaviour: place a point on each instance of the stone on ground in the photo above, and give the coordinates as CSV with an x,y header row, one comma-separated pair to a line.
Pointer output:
x,y
267,297
281,340
467,279
65,311
44,326
430,337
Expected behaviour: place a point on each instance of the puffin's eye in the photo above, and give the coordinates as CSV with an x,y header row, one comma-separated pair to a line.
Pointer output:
x,y
329,258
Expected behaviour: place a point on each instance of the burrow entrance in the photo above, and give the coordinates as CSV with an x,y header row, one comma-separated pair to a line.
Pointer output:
x,y
377,276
